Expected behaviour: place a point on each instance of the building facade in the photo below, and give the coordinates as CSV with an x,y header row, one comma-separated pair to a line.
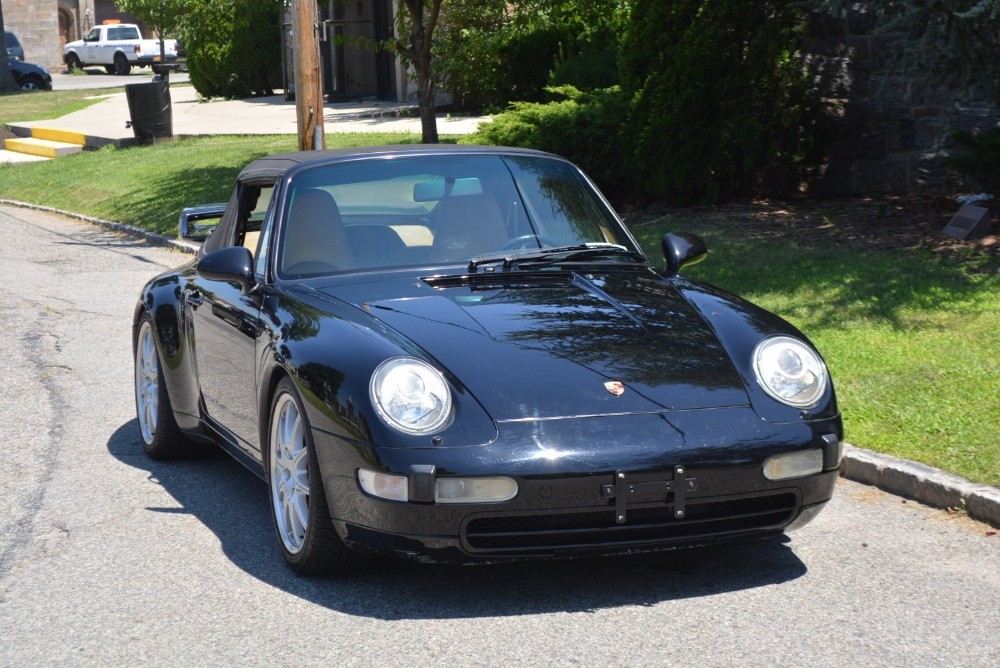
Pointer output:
x,y
45,26
352,67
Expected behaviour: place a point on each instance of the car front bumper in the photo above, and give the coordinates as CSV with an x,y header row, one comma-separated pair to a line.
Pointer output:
x,y
590,486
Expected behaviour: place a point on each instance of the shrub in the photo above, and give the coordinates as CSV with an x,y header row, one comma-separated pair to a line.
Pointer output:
x,y
233,47
583,126
981,161
721,105
594,67
492,52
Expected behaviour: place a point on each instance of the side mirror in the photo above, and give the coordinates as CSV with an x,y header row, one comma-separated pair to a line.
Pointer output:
x,y
233,264
681,249
197,222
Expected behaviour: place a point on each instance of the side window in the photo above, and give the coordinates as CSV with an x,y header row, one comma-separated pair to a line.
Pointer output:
x,y
129,33
253,209
93,36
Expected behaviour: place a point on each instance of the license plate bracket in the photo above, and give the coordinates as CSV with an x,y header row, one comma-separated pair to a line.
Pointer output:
x,y
626,489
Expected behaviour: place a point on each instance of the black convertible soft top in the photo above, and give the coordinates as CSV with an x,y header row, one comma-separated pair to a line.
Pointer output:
x,y
274,167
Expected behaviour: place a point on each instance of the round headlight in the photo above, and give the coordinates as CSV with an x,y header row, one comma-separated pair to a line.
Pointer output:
x,y
790,371
411,395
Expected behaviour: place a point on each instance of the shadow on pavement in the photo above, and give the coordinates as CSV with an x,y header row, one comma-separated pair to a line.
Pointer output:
x,y
232,503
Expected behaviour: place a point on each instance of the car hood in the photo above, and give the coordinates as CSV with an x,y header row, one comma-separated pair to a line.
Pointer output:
x,y
22,67
545,345
77,43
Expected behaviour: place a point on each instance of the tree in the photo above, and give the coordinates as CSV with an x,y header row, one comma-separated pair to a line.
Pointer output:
x,y
417,25
7,82
721,106
163,16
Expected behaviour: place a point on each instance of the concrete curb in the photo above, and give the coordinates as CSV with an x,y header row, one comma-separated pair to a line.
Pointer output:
x,y
158,239
923,483
913,480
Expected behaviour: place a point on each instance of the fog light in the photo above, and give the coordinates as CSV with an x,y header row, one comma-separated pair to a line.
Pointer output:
x,y
793,464
475,490
383,485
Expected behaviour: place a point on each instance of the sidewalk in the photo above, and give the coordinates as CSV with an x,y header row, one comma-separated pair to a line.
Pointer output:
x,y
104,122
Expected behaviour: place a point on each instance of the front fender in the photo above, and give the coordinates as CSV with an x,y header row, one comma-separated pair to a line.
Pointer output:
x,y
162,299
330,349
740,326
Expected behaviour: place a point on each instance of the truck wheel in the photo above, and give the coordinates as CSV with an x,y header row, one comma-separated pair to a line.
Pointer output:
x,y
121,65
73,62
110,69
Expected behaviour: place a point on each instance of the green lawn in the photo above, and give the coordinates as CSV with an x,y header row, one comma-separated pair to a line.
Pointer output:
x,y
911,341
46,104
149,185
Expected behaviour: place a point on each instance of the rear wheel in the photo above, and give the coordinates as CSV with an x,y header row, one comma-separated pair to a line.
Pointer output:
x,y
121,65
73,62
161,437
301,516
110,69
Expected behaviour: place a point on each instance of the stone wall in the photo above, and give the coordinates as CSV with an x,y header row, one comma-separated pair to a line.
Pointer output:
x,y
36,24
890,131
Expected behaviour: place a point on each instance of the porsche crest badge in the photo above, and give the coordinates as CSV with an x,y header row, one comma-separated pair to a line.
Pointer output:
x,y
614,387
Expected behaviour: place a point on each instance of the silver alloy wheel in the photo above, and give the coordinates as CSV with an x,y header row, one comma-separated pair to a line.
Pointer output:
x,y
289,473
147,383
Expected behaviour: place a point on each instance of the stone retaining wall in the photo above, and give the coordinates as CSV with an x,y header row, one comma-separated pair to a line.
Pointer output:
x,y
890,130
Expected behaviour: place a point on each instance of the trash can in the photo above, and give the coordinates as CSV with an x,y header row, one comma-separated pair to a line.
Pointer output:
x,y
149,108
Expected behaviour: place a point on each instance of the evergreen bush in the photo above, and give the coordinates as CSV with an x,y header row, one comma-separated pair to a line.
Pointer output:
x,y
720,103
233,46
583,126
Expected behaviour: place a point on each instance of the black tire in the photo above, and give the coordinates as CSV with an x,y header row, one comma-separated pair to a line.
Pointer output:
x,y
110,69
73,62
161,437
32,82
122,67
319,550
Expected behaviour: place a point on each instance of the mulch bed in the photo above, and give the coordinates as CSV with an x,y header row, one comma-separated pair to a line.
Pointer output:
x,y
890,223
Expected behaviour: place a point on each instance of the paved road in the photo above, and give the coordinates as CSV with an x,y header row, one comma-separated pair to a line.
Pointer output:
x,y
109,558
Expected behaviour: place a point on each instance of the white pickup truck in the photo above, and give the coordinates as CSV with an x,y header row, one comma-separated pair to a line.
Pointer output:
x,y
118,47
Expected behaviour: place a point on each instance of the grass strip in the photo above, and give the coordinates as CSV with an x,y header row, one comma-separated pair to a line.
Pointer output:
x,y
21,106
148,186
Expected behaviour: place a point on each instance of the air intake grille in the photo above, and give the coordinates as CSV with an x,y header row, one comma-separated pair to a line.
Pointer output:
x,y
597,529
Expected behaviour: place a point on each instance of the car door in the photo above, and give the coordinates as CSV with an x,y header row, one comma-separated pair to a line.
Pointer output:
x,y
226,323
89,51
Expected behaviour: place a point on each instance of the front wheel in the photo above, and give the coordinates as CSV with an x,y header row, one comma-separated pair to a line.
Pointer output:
x,y
73,63
32,83
161,437
301,516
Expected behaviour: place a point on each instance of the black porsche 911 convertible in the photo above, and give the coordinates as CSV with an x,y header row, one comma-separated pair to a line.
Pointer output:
x,y
460,354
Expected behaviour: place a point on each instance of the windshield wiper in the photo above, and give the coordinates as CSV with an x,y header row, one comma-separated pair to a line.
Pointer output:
x,y
557,255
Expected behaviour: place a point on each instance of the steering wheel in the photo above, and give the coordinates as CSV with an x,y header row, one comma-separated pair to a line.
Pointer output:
x,y
520,242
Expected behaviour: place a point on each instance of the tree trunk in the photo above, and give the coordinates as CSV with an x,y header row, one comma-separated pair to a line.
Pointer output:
x,y
425,95
419,53
7,81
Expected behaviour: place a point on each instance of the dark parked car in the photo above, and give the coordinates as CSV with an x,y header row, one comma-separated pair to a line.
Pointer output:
x,y
30,76
14,49
460,354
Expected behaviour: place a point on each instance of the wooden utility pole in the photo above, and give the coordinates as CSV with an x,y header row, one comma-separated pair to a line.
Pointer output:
x,y
308,84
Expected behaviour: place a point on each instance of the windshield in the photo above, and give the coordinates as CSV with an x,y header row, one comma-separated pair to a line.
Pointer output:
x,y
432,210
